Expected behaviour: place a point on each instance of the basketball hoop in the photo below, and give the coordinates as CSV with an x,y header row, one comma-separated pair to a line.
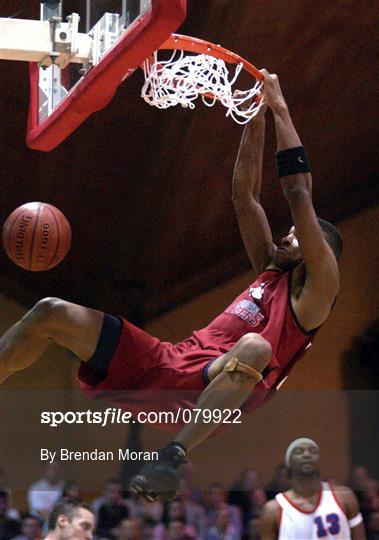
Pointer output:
x,y
182,78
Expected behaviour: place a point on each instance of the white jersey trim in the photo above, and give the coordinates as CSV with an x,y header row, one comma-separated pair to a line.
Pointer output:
x,y
282,496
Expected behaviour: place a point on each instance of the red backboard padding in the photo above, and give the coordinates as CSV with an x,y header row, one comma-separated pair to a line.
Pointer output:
x,y
95,90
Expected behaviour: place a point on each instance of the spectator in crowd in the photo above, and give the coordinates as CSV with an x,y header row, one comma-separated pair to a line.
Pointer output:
x,y
11,512
253,529
279,483
71,521
43,494
177,530
175,512
240,491
188,471
129,529
373,526
112,491
247,493
257,500
216,497
71,491
367,491
223,529
31,528
108,487
370,495
150,513
112,510
195,514
8,527
358,478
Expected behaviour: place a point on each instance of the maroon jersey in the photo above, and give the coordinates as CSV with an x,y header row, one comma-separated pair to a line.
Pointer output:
x,y
146,374
264,308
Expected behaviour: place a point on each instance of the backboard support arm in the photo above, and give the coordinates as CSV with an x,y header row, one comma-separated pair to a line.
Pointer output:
x,y
46,41
124,41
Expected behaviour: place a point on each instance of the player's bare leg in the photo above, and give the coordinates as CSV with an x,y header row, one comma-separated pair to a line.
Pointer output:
x,y
51,320
227,390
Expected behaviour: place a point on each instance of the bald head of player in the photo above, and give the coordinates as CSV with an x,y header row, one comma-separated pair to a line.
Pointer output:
x,y
71,521
302,457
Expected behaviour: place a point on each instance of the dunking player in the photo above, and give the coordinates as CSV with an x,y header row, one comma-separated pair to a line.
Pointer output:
x,y
311,509
242,356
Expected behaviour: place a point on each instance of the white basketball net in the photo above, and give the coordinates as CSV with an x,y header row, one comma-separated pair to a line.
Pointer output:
x,y
180,81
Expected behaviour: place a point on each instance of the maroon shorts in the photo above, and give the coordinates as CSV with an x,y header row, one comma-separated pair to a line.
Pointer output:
x,y
145,374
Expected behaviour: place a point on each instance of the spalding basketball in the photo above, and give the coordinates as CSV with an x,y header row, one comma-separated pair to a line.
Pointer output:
x,y
36,236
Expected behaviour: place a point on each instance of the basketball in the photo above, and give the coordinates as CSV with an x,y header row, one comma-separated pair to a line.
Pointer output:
x,y
36,236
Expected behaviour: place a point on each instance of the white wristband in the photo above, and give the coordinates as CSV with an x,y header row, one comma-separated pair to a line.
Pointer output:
x,y
356,520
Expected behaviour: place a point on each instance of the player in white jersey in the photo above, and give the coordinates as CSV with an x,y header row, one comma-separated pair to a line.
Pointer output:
x,y
311,509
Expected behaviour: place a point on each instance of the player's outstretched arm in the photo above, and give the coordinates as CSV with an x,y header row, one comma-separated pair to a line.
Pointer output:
x,y
247,179
322,277
270,521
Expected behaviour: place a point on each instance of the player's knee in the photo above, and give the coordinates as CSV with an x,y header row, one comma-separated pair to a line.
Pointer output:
x,y
47,310
254,350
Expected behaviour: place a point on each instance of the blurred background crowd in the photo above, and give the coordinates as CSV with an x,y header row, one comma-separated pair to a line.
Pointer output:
x,y
218,512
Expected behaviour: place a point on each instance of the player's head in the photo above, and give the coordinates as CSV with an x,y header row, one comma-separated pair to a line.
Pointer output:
x,y
288,254
71,520
302,457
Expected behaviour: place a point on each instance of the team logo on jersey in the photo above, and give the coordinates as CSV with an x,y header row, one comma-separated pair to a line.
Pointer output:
x,y
257,292
248,311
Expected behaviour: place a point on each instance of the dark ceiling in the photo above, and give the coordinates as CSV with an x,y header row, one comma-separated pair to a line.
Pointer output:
x,y
148,192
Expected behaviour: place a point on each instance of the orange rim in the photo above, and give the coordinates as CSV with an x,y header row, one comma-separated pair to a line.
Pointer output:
x,y
200,46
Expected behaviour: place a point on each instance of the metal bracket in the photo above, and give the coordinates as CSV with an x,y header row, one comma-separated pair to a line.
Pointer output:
x,y
104,34
64,39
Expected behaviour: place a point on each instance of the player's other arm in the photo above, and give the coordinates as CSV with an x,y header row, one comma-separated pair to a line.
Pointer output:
x,y
322,277
254,227
270,519
350,505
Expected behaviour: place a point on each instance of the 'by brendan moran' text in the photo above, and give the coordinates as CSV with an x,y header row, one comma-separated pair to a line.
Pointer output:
x,y
122,454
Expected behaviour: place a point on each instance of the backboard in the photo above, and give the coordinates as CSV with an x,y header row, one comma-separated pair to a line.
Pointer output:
x,y
96,44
